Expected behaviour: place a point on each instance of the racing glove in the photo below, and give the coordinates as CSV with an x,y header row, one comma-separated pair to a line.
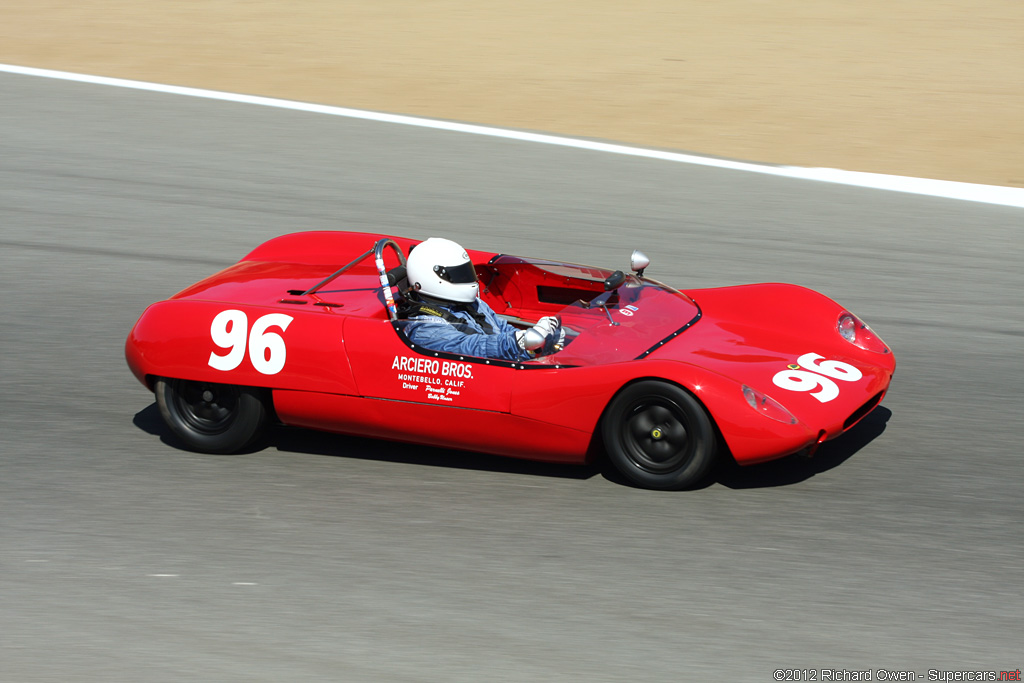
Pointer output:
x,y
547,336
552,323
533,338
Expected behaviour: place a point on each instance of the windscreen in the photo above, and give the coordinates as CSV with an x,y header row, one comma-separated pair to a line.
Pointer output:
x,y
601,327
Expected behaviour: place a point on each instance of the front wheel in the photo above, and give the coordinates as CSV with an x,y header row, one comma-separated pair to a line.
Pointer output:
x,y
209,417
658,436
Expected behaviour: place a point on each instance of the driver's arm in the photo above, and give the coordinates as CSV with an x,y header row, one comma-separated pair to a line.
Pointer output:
x,y
438,335
547,327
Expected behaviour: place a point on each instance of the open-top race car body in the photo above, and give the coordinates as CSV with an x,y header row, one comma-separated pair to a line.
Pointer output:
x,y
662,381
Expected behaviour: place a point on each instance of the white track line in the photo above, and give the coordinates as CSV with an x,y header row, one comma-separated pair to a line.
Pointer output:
x,y
989,194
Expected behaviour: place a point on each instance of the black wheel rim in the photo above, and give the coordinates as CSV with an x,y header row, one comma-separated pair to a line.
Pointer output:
x,y
655,435
206,407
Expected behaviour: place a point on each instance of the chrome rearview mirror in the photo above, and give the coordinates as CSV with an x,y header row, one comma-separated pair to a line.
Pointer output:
x,y
638,261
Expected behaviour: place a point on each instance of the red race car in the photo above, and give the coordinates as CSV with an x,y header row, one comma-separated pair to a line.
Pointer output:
x,y
661,381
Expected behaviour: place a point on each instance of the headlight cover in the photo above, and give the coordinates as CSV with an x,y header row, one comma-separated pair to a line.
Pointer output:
x,y
854,330
767,406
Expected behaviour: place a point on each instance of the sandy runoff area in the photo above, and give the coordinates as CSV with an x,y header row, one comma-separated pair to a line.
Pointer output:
x,y
927,88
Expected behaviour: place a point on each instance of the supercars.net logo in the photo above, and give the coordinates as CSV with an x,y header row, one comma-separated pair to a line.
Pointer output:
x,y
893,675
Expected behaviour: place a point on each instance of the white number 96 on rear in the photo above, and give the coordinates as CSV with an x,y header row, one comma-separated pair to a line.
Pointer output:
x,y
267,352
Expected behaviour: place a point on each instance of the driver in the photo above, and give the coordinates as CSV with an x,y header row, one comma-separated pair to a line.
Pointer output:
x,y
446,314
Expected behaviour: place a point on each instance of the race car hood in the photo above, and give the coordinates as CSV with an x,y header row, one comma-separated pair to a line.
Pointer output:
x,y
783,342
279,271
255,282
259,283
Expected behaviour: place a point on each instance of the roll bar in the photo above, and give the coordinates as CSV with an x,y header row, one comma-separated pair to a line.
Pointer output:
x,y
378,258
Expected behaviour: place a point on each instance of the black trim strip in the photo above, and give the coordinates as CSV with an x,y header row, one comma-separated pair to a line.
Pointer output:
x,y
673,335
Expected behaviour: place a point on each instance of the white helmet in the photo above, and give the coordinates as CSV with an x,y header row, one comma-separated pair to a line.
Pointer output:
x,y
441,269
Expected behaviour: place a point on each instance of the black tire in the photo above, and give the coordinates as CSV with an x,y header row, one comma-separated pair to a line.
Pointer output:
x,y
658,436
209,417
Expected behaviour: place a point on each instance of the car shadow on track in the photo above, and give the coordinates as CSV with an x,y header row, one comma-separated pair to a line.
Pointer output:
x,y
782,472
312,442
795,469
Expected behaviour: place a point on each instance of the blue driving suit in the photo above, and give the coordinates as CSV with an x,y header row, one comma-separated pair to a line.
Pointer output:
x,y
454,329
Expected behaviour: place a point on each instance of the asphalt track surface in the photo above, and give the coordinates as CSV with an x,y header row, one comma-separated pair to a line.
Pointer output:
x,y
325,558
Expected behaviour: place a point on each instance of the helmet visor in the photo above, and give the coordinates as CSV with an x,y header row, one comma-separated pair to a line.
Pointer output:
x,y
464,273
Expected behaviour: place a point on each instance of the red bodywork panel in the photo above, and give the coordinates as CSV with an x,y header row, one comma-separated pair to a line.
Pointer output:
x,y
334,361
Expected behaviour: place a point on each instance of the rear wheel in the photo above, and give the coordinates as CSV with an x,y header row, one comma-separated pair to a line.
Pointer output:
x,y
209,417
659,436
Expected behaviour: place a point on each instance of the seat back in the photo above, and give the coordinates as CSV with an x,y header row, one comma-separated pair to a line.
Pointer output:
x,y
397,277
